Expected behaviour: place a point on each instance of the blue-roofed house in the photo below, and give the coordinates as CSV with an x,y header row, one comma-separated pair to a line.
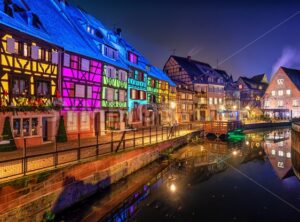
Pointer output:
x,y
29,61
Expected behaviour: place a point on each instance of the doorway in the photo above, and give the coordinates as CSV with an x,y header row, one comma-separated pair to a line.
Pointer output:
x,y
97,123
45,128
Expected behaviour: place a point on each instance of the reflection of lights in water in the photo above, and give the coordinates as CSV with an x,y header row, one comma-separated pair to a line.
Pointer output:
x,y
173,187
234,153
247,143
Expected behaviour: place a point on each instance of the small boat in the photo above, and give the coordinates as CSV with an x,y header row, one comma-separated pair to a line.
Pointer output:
x,y
237,134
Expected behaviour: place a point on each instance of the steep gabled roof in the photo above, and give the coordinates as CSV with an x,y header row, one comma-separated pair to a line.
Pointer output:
x,y
191,66
252,84
294,76
159,74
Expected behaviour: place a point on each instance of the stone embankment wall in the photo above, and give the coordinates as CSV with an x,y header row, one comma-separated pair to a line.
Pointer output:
x,y
28,198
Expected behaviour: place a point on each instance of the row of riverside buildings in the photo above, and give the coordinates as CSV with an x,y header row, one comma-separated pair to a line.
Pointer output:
x,y
57,60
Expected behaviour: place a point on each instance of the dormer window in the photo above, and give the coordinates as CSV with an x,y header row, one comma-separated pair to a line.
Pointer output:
x,y
110,52
132,57
90,30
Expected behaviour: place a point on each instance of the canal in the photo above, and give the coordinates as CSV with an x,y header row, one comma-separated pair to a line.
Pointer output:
x,y
250,178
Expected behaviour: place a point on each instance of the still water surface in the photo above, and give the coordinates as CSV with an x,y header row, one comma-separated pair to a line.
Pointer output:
x,y
248,180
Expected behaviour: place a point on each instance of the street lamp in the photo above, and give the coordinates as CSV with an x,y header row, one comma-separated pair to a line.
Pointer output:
x,y
172,187
234,153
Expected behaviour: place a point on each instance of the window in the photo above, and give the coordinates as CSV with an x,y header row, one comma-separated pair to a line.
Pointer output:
x,y
42,88
25,127
111,72
110,52
190,96
134,94
215,101
288,155
152,83
132,57
142,95
85,64
112,120
273,93
122,95
79,91
20,85
295,102
140,76
280,153
34,126
183,106
210,101
279,103
72,123
74,62
122,75
273,152
26,50
220,100
110,94
190,107
280,82
267,103
89,92
17,47
17,127
182,95
67,60
280,92
288,92
84,120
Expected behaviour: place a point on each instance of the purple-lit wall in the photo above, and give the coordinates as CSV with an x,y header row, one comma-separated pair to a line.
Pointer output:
x,y
72,76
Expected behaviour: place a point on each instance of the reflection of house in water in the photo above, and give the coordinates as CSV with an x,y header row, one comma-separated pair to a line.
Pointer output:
x,y
254,140
296,153
278,149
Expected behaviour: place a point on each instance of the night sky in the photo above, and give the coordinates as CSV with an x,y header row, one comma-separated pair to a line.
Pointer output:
x,y
209,31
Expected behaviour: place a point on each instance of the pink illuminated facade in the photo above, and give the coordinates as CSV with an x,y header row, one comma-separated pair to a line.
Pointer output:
x,y
81,83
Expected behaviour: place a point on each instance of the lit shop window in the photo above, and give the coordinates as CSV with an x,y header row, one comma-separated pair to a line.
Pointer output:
x,y
288,92
280,92
25,127
84,121
273,93
72,123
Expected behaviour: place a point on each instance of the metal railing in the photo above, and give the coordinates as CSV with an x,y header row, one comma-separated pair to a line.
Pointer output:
x,y
53,155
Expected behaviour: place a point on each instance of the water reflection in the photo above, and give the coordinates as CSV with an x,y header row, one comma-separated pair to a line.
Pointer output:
x,y
296,153
201,161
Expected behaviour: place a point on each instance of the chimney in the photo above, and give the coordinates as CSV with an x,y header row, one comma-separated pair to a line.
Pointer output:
x,y
189,57
119,31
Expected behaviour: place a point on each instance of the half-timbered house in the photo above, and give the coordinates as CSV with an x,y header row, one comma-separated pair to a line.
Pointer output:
x,y
28,75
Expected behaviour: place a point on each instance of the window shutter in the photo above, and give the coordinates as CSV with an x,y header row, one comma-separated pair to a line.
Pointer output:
x,y
122,96
10,45
35,52
131,93
55,57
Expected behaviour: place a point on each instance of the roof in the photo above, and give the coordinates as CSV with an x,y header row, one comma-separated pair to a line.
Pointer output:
x,y
159,74
252,84
259,78
197,69
294,76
